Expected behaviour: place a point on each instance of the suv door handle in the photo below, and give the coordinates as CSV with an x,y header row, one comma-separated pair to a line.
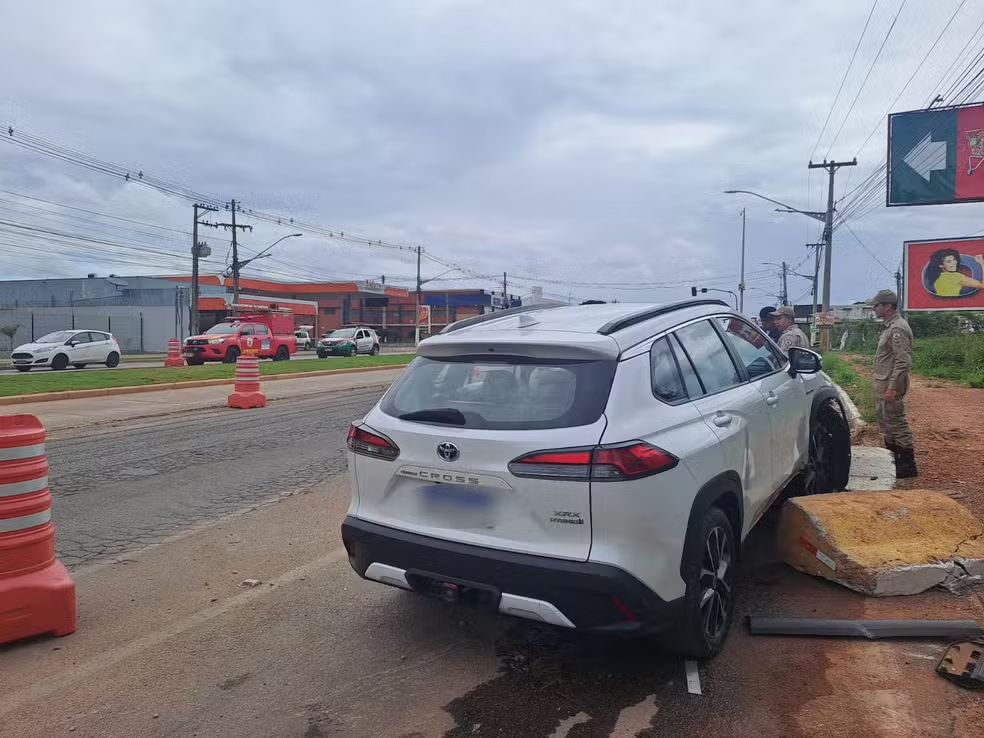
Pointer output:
x,y
721,420
772,400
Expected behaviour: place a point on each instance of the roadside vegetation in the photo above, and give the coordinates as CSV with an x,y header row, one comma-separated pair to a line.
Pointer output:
x,y
857,387
947,345
45,380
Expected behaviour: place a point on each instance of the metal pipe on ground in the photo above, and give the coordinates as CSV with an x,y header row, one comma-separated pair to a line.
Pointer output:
x,y
870,629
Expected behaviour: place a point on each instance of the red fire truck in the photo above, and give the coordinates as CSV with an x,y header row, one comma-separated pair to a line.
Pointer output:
x,y
266,331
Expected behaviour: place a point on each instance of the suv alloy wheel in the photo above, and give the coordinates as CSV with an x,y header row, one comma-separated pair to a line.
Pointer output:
x,y
709,602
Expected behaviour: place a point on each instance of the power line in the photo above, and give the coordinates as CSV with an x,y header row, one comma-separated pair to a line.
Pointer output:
x,y
869,251
847,71
865,81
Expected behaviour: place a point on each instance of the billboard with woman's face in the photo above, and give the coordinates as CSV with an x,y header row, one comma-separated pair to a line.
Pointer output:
x,y
944,274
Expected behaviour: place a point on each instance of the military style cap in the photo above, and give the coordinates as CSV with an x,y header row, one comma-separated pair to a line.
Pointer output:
x,y
786,310
886,296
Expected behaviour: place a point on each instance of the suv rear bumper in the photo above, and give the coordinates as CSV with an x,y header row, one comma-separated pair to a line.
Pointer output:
x,y
574,594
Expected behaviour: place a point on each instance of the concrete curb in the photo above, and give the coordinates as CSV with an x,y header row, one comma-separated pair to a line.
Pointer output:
x,y
853,414
191,384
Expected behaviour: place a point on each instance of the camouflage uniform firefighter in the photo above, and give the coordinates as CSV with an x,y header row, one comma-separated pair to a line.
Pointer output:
x,y
893,359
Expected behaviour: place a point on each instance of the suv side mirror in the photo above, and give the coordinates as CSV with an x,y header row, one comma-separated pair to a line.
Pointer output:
x,y
804,361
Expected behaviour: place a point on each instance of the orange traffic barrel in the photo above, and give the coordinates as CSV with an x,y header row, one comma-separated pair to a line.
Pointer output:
x,y
246,391
37,595
174,353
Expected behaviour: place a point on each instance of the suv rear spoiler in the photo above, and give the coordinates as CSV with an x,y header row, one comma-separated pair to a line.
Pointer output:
x,y
468,322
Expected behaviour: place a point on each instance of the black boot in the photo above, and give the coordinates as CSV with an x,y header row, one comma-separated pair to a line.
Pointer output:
x,y
905,463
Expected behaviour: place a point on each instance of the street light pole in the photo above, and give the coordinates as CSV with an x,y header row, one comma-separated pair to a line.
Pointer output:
x,y
741,284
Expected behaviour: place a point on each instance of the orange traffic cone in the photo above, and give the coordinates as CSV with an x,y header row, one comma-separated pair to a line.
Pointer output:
x,y
174,353
36,593
246,393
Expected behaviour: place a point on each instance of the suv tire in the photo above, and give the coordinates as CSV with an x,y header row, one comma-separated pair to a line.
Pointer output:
x,y
828,465
231,355
375,350
708,607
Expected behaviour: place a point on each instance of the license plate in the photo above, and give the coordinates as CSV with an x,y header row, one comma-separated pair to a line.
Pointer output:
x,y
459,506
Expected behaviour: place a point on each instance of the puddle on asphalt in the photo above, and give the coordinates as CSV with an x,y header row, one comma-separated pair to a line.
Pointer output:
x,y
556,684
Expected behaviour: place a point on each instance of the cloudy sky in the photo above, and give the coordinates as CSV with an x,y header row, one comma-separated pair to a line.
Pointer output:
x,y
575,144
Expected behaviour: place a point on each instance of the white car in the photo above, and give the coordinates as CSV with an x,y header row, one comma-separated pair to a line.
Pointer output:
x,y
60,349
349,342
304,342
594,467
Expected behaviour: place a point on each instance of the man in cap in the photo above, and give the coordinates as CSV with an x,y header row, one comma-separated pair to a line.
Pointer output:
x,y
765,320
790,336
893,359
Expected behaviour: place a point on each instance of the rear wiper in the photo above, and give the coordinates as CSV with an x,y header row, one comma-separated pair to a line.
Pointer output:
x,y
449,415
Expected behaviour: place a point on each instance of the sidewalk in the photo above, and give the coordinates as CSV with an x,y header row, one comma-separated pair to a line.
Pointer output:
x,y
59,415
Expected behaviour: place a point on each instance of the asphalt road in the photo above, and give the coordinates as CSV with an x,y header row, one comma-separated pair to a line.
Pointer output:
x,y
117,490
171,643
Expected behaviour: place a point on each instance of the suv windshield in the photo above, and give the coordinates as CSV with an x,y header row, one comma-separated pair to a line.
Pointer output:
x,y
512,393
222,329
56,337
343,333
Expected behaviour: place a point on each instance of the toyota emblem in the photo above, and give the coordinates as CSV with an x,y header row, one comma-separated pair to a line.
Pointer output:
x,y
448,452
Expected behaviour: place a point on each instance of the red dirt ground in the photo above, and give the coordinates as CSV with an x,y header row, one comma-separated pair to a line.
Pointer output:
x,y
842,687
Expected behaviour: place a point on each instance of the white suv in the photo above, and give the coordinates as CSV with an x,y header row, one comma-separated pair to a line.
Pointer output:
x,y
593,467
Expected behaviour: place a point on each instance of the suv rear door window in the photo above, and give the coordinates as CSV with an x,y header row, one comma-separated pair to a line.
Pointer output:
x,y
753,349
511,393
667,382
709,355
690,379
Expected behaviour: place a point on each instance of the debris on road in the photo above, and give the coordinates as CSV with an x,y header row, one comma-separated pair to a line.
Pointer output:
x,y
693,678
870,629
251,583
883,543
963,663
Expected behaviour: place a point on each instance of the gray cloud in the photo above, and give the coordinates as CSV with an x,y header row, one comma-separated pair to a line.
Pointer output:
x,y
574,142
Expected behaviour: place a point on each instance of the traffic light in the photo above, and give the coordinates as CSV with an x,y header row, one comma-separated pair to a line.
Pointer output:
x,y
693,291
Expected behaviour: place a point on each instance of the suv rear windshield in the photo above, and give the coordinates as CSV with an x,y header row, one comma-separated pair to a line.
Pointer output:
x,y
510,393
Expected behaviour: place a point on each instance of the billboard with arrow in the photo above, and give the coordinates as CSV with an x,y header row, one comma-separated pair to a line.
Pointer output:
x,y
934,156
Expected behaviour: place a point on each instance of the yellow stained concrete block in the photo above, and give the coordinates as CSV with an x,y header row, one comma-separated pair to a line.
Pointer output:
x,y
882,543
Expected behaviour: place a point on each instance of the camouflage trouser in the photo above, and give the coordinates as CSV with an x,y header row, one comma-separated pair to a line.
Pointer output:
x,y
891,415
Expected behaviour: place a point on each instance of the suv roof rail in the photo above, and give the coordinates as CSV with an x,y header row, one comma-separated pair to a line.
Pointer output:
x,y
468,322
643,315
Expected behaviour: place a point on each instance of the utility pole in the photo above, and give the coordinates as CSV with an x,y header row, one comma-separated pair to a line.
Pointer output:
x,y
235,249
817,247
828,239
898,286
416,312
505,297
741,284
199,250
785,286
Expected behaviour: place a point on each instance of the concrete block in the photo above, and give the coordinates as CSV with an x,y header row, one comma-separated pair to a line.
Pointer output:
x,y
883,543
872,468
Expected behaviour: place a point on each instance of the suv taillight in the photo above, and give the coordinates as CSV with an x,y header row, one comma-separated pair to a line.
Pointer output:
x,y
363,442
600,464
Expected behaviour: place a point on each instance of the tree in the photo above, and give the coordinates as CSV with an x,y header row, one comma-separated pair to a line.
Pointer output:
x,y
9,331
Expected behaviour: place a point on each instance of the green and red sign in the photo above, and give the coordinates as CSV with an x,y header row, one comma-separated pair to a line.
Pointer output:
x,y
935,156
